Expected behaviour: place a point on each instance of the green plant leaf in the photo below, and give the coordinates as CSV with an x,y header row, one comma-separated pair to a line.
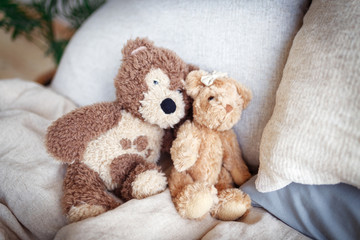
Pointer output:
x,y
17,19
23,19
76,12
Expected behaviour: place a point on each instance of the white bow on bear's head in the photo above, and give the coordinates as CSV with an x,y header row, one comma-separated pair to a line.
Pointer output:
x,y
209,79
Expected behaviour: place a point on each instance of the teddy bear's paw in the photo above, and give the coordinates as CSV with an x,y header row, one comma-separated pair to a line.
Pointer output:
x,y
233,204
78,213
148,183
196,200
184,163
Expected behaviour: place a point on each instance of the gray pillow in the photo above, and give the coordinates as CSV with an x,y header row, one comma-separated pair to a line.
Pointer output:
x,y
318,211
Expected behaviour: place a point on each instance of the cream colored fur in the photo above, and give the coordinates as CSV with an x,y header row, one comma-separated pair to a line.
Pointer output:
x,y
148,183
150,106
101,152
196,200
232,204
206,153
84,211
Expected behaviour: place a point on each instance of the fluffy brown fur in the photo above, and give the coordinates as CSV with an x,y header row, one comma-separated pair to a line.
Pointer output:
x,y
124,170
67,137
206,156
129,83
84,186
113,146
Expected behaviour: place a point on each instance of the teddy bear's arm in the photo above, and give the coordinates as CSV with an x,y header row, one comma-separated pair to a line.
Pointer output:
x,y
233,161
67,137
185,148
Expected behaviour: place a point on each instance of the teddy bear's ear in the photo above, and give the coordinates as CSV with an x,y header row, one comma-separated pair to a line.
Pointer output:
x,y
193,82
190,68
244,92
134,46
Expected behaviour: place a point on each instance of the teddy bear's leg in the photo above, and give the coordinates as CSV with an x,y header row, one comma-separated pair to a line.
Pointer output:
x,y
192,199
85,194
233,160
233,203
136,178
224,181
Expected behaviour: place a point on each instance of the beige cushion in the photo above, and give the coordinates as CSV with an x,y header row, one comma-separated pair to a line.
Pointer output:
x,y
313,136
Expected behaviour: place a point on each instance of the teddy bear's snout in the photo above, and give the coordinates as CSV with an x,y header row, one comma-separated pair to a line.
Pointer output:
x,y
228,108
168,106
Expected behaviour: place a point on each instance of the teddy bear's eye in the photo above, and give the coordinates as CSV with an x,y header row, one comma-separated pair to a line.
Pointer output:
x,y
156,82
210,98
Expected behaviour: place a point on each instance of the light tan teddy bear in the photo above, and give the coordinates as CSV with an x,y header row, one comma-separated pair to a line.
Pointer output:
x,y
206,155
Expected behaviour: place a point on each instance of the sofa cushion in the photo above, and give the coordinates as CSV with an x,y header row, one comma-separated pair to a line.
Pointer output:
x,y
249,40
313,136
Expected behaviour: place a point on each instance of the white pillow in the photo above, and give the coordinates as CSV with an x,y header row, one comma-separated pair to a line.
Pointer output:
x,y
313,136
248,39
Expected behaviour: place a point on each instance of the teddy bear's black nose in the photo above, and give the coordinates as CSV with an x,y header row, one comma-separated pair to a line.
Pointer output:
x,y
168,106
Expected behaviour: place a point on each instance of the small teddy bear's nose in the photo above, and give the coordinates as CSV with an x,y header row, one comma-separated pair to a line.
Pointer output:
x,y
228,108
168,106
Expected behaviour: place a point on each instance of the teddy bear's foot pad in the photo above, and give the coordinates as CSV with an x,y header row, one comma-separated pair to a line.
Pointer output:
x,y
78,213
199,205
148,183
233,204
196,200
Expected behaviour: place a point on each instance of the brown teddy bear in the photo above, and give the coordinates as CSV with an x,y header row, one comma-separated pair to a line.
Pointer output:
x,y
206,155
114,146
